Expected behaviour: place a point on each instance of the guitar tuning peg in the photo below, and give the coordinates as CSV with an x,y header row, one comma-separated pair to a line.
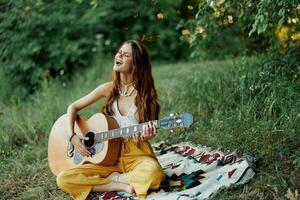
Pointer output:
x,y
171,115
171,130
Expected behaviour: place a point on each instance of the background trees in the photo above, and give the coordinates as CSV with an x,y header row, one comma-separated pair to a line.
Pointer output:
x,y
41,39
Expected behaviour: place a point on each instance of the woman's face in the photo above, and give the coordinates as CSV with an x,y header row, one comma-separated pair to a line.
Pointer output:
x,y
123,59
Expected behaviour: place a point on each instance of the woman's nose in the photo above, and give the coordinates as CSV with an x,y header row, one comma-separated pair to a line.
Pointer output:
x,y
119,55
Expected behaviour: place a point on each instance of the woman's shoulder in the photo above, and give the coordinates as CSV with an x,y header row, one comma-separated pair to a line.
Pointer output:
x,y
105,88
107,85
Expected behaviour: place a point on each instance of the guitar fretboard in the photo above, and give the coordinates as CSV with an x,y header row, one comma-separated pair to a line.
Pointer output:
x,y
124,132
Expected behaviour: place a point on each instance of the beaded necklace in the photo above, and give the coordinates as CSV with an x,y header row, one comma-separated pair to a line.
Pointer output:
x,y
127,91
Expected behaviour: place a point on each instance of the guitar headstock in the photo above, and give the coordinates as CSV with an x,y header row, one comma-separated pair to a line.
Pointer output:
x,y
184,120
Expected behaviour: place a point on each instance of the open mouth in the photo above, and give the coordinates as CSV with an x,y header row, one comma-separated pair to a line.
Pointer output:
x,y
118,62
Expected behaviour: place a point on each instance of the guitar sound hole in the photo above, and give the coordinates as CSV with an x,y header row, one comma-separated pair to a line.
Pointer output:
x,y
90,142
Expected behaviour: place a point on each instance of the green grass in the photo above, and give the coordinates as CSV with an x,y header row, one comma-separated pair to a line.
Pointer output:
x,y
228,113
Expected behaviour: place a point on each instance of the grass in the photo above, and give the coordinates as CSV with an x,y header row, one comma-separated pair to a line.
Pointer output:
x,y
234,107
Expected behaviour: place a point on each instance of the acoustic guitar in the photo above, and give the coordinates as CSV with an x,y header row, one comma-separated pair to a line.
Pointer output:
x,y
104,139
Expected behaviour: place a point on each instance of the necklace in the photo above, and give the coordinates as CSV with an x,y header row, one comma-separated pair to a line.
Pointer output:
x,y
127,91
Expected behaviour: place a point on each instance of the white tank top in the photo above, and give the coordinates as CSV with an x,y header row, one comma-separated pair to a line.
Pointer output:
x,y
127,120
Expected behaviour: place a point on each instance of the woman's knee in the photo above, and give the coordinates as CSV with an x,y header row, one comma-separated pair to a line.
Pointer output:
x,y
154,172
61,180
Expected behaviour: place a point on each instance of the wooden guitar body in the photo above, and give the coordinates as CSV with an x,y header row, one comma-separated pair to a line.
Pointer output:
x,y
103,153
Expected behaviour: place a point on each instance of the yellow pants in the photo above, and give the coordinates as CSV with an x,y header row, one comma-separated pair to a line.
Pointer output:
x,y
136,160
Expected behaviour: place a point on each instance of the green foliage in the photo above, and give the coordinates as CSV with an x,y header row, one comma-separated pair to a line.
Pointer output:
x,y
53,39
269,14
230,28
42,39
153,22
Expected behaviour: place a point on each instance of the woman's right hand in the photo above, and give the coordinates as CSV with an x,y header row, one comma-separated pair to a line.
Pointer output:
x,y
78,145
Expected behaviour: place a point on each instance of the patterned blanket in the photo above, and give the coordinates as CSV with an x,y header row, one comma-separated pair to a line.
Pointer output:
x,y
193,172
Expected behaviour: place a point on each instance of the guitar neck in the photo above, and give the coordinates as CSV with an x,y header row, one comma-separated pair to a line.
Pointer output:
x,y
123,132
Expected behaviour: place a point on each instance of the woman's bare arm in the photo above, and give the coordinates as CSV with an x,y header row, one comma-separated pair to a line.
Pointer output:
x,y
98,93
101,91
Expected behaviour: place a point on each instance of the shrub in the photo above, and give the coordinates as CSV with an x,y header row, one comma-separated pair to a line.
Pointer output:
x,y
42,39
230,28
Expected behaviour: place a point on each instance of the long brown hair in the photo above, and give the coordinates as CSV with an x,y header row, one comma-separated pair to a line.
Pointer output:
x,y
146,99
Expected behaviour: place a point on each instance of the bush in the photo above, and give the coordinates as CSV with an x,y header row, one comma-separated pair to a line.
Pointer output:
x,y
53,39
152,22
42,39
230,28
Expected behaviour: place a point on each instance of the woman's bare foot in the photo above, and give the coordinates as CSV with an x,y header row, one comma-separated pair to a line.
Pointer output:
x,y
114,186
118,177
114,176
128,189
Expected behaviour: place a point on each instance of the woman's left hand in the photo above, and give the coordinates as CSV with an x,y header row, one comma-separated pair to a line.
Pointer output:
x,y
149,131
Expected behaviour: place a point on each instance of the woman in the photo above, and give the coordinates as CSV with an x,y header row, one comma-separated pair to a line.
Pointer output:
x,y
131,98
